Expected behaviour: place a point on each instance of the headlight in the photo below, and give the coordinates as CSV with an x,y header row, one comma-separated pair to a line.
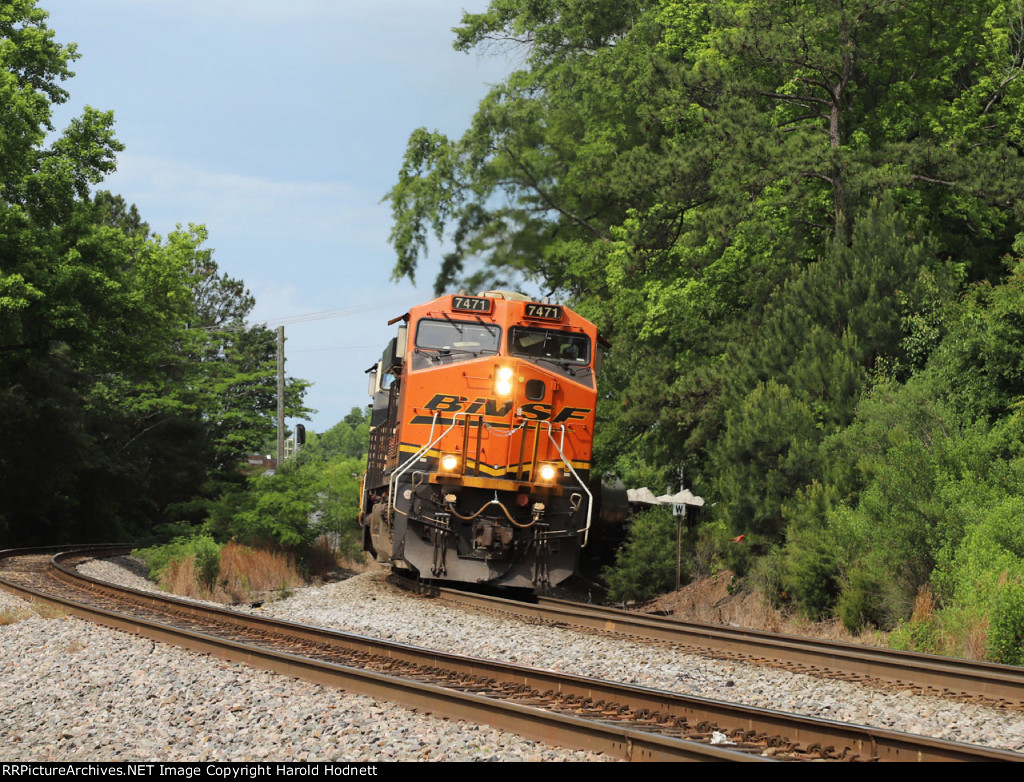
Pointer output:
x,y
451,463
548,473
503,381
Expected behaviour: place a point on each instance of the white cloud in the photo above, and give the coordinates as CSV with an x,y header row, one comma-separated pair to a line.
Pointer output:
x,y
233,203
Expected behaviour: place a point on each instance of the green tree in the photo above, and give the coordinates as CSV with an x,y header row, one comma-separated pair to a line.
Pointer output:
x,y
768,451
670,166
771,210
313,493
348,438
646,564
114,402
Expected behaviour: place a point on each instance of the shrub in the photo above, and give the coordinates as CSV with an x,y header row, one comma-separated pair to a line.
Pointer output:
x,y
921,633
1006,628
860,603
767,578
812,573
646,564
990,554
705,558
199,547
207,554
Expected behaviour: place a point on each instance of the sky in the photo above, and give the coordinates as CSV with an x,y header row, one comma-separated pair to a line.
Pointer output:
x,y
280,126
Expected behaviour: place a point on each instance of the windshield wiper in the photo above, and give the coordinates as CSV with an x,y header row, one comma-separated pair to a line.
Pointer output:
x,y
487,325
567,364
458,328
432,356
436,354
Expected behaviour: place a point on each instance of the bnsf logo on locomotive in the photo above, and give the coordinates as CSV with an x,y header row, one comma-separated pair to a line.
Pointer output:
x,y
490,408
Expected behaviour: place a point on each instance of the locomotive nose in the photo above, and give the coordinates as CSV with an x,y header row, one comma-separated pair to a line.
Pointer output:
x,y
481,444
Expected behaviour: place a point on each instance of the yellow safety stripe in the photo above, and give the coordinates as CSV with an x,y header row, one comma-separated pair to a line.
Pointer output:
x,y
488,470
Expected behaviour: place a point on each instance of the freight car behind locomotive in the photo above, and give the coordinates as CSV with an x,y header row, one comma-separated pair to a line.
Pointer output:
x,y
480,448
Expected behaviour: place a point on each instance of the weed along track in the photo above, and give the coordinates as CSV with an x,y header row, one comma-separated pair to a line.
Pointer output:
x,y
620,720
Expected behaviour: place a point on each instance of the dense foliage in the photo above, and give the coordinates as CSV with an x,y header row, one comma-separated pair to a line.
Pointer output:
x,y
646,565
800,224
312,494
130,383
307,507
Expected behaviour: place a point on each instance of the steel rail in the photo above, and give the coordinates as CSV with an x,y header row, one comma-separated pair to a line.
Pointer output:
x,y
944,675
800,732
530,722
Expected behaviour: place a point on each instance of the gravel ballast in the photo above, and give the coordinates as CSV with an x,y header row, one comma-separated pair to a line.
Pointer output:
x,y
367,605
128,698
74,691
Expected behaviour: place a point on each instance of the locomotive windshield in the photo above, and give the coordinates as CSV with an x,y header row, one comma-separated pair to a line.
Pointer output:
x,y
568,352
449,341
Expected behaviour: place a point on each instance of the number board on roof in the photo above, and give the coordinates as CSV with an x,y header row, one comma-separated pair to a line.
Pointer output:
x,y
544,311
471,304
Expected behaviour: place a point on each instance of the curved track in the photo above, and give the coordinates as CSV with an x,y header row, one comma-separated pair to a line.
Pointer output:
x,y
979,682
623,721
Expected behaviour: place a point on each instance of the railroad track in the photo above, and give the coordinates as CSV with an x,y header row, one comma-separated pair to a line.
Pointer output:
x,y
623,721
982,683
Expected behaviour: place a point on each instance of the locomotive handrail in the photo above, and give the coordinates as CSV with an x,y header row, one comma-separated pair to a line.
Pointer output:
x,y
590,504
393,480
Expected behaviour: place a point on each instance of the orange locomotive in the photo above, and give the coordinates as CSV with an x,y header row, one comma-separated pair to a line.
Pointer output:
x,y
480,447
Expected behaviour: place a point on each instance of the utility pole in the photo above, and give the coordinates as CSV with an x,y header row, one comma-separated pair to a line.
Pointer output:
x,y
280,396
679,535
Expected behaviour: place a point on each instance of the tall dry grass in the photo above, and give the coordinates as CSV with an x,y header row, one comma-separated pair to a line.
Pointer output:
x,y
246,575
924,605
245,571
959,633
954,632
974,638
